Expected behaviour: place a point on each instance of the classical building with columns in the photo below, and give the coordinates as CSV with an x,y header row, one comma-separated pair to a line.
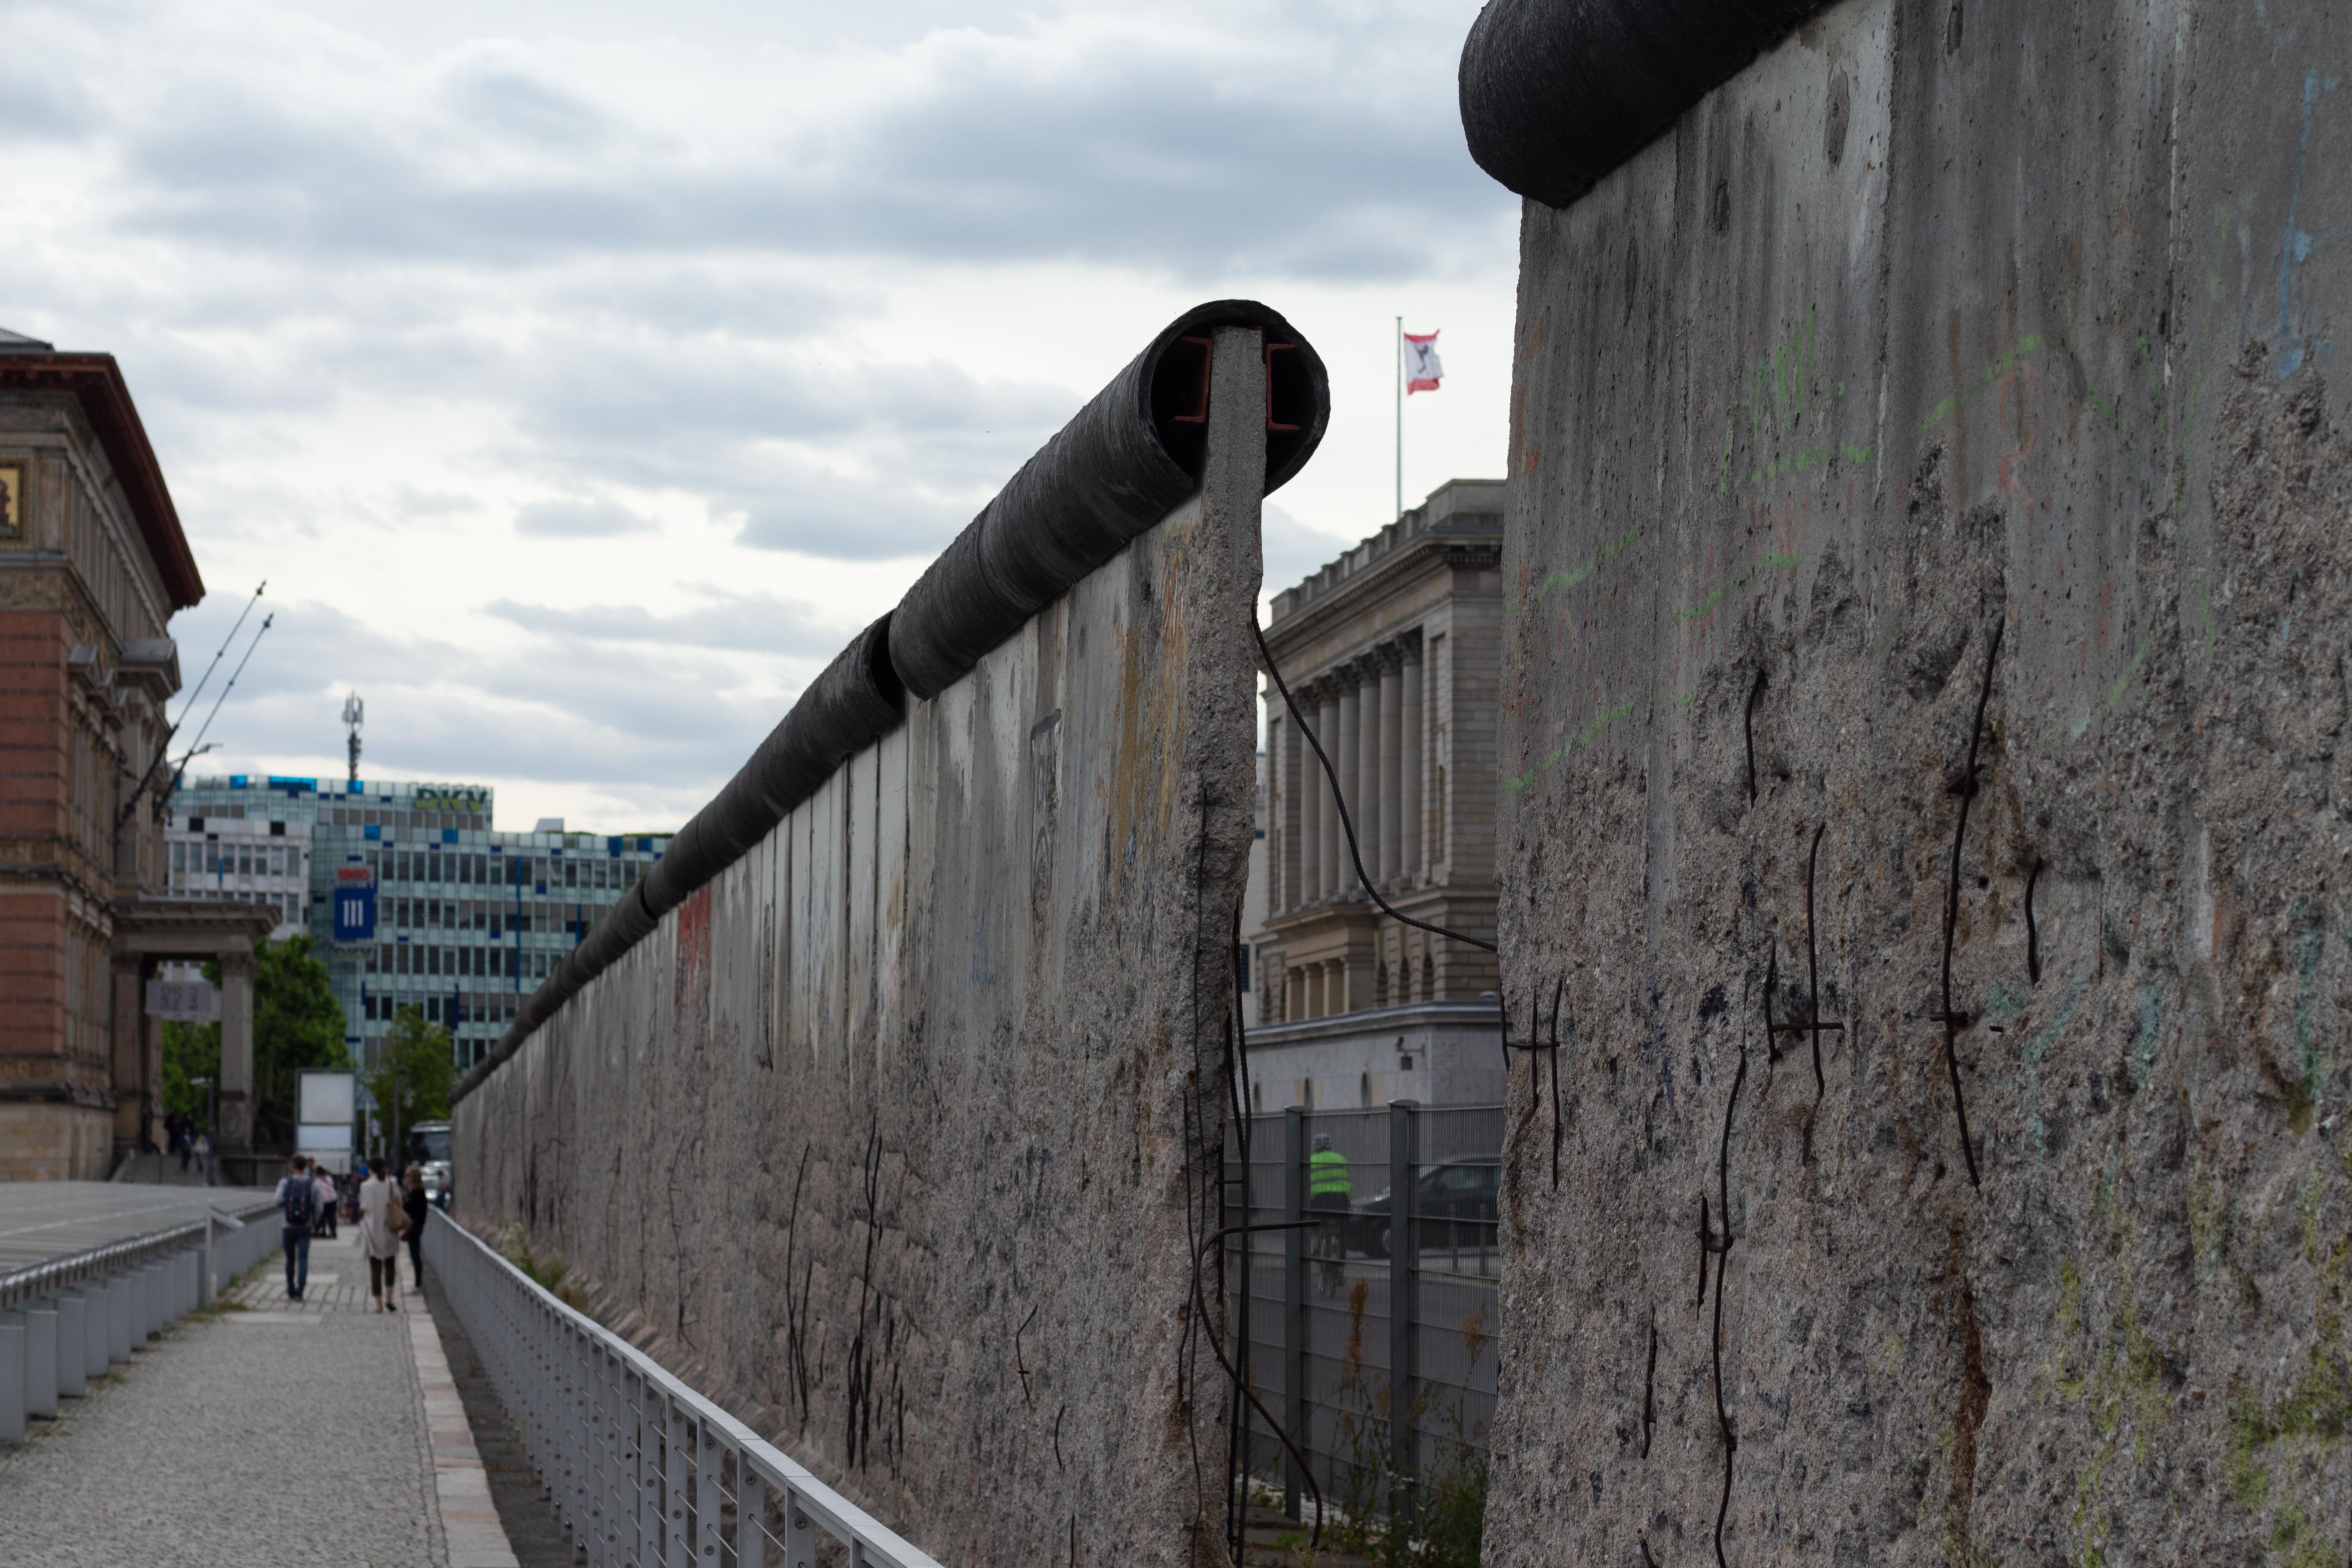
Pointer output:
x,y
1391,652
92,566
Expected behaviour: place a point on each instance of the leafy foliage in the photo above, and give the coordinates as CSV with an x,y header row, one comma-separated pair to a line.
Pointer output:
x,y
414,1070
297,1023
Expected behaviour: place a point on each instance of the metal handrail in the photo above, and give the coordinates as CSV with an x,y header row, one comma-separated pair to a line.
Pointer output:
x,y
636,1464
53,1274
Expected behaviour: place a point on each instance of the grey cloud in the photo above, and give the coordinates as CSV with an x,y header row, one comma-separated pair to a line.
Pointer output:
x,y
1293,550
561,710
580,519
739,622
1119,149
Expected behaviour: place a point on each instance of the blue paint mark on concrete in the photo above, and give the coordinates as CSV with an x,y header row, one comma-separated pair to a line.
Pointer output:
x,y
2296,245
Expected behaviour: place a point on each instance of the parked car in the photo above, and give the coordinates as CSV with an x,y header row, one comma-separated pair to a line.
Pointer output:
x,y
1459,1204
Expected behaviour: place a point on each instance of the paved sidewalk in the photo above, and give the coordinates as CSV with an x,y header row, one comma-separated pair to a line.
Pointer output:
x,y
232,1439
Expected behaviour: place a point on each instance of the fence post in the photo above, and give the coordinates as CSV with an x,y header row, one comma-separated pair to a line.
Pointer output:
x,y
1293,1300
1404,1278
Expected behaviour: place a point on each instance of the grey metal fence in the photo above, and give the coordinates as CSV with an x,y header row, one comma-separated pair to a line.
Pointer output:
x,y
1378,1358
64,1321
639,1467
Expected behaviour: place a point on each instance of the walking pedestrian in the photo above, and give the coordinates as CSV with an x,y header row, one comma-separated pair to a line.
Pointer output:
x,y
325,1182
203,1148
298,1205
416,1206
377,1237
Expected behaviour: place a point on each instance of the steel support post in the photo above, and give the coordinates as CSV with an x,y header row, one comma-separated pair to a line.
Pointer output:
x,y
710,1500
73,1353
676,1548
649,1475
41,1358
1405,1277
12,1377
751,1517
800,1534
1293,1302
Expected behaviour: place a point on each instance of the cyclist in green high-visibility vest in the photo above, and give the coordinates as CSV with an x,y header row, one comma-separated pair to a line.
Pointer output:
x,y
1327,1176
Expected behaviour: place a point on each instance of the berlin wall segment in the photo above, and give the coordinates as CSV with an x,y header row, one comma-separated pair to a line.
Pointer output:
x,y
901,1135
1929,643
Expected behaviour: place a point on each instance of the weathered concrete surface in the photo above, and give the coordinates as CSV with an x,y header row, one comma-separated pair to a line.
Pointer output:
x,y
1940,323
901,1134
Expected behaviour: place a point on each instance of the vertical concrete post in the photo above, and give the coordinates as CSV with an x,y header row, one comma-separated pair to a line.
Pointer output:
x,y
1393,751
12,1377
1417,754
96,1328
1404,1278
120,1301
236,1053
41,1358
1335,847
1293,1300
73,1347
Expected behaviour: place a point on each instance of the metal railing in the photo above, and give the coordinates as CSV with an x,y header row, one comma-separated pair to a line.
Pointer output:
x,y
1378,1358
65,1321
639,1467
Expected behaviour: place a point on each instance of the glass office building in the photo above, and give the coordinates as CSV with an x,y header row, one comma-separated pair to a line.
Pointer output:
x,y
416,901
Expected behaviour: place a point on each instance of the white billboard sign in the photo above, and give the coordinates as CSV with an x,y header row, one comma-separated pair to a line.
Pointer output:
x,y
328,1097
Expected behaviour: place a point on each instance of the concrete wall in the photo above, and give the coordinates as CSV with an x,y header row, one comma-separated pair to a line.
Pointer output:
x,y
1939,322
900,1135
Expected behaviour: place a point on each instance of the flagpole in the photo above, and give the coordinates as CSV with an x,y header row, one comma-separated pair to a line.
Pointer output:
x,y
1400,417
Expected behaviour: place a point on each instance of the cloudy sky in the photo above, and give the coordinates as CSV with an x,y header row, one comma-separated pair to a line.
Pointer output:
x,y
579,376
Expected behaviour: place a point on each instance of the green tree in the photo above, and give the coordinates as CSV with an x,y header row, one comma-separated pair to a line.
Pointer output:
x,y
297,1023
414,1070
191,1051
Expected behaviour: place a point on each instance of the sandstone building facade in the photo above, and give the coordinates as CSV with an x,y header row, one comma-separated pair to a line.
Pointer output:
x,y
1390,654
92,566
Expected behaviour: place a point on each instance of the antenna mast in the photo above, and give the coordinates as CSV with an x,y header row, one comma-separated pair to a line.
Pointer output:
x,y
354,710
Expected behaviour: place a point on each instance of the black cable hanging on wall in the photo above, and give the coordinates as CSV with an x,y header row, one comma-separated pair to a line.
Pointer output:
x,y
1339,799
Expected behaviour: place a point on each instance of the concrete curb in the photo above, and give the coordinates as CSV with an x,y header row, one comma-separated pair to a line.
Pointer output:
x,y
461,1487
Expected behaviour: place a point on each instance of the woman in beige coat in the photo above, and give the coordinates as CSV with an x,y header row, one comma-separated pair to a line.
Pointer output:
x,y
378,1199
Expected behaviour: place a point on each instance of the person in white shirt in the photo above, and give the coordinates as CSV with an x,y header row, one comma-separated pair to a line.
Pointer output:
x,y
377,1238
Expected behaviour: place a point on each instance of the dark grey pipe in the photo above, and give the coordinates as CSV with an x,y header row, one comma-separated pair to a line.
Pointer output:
x,y
1556,93
1119,465
1129,457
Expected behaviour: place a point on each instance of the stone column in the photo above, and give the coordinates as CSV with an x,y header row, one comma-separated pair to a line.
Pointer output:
x,y
1393,753
1366,780
130,1053
1416,749
237,1052
1333,850
1348,757
1307,775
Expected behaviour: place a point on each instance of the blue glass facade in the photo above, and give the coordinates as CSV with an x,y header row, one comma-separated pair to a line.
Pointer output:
x,y
465,921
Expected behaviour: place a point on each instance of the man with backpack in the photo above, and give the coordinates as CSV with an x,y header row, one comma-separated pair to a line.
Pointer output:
x,y
297,1203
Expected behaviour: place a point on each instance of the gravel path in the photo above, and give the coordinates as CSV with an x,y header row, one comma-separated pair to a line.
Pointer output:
x,y
228,1441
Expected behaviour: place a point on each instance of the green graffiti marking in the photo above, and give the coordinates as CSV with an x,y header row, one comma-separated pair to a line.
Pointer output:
x,y
1583,739
2031,343
2037,1046
1576,578
1707,605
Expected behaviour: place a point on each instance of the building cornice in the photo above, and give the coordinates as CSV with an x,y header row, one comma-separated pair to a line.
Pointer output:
x,y
95,382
